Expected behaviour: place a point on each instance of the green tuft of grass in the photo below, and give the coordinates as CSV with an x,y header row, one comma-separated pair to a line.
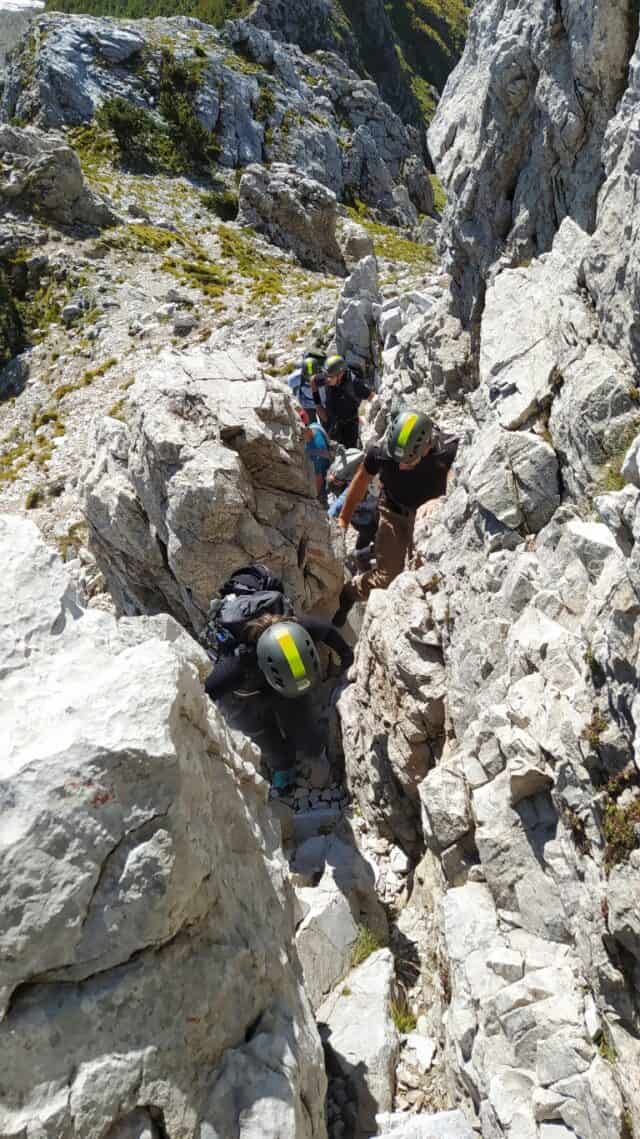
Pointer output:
x,y
607,1050
402,1016
223,203
70,543
366,943
34,498
595,728
439,194
389,243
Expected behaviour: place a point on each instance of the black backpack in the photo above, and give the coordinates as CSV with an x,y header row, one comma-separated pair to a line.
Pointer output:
x,y
247,594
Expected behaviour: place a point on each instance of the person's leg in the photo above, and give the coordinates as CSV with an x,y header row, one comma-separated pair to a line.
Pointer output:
x,y
298,723
392,542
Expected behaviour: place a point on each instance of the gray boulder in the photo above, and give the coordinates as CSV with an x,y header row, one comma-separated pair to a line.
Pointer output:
x,y
354,241
294,212
356,330
513,477
326,936
207,474
355,1022
41,172
145,910
393,714
442,1125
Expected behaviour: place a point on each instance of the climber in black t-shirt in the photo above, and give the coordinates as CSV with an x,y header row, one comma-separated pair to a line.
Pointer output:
x,y
413,468
344,394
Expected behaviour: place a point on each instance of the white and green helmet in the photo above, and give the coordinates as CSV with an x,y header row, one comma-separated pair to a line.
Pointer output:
x,y
288,658
409,436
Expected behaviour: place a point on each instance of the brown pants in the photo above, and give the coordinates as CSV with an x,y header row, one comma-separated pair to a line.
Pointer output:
x,y
393,543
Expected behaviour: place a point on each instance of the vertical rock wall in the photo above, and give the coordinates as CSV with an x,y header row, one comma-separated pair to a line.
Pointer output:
x,y
517,138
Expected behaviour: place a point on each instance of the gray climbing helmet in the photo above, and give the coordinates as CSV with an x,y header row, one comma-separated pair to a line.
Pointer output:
x,y
409,436
335,365
288,658
313,365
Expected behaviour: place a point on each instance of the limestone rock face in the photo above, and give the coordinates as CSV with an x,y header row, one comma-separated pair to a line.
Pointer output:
x,y
39,171
294,212
393,715
262,100
356,1023
147,984
207,474
356,329
15,16
517,622
517,137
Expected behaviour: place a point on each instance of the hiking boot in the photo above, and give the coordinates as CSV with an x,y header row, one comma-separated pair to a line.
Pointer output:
x,y
283,782
347,600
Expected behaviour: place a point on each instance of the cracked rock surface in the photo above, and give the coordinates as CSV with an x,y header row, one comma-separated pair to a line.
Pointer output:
x,y
150,981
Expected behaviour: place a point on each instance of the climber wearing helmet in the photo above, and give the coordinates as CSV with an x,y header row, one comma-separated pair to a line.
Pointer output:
x,y
273,676
344,394
299,381
413,468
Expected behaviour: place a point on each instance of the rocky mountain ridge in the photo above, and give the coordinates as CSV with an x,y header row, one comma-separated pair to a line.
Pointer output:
x,y
489,829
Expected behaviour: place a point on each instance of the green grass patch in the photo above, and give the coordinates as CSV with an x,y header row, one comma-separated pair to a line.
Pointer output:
x,y
35,498
439,194
366,943
402,1016
69,544
388,241
85,380
222,203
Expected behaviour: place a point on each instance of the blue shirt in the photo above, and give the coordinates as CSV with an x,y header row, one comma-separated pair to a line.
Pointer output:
x,y
318,449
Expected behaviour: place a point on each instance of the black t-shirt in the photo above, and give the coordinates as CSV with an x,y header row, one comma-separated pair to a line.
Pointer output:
x,y
419,484
344,399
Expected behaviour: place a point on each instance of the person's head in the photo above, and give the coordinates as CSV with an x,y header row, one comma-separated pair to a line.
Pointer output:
x,y
313,366
410,438
335,368
287,657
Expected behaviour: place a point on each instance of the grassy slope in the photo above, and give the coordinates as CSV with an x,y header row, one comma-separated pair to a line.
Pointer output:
x,y
430,35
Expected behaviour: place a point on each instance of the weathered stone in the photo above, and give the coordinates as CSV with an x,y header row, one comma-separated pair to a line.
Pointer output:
x,y
326,937
147,920
366,1058
356,332
354,241
207,474
445,809
15,17
294,212
517,136
442,1125
40,171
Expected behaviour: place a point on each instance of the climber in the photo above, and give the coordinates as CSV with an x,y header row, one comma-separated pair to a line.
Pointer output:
x,y
300,382
413,468
344,393
318,450
273,671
